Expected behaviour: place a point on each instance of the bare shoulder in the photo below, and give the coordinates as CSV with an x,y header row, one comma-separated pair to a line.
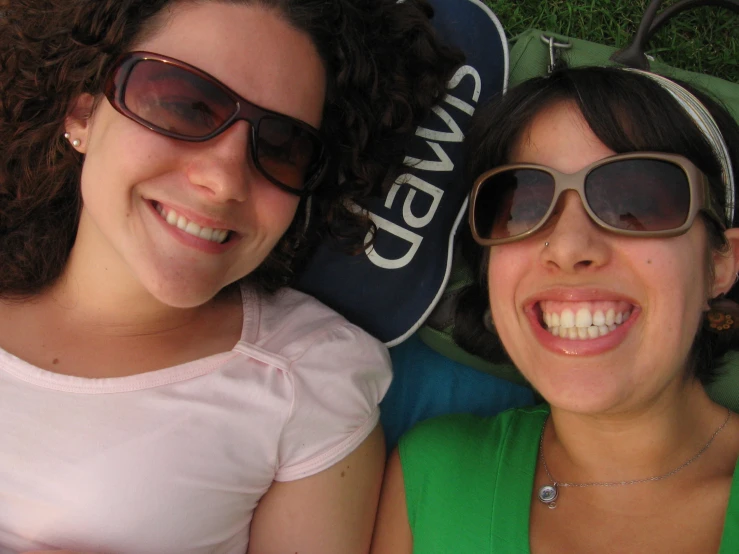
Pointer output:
x,y
392,532
331,512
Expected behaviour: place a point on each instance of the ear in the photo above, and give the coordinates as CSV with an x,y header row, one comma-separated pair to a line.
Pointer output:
x,y
726,265
78,122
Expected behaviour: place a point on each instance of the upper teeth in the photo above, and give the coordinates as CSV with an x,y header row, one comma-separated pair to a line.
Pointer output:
x,y
584,320
179,221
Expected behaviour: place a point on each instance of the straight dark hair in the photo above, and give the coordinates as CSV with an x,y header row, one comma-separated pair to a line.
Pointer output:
x,y
628,112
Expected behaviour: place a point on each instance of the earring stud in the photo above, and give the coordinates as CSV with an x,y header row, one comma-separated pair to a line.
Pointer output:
x,y
546,244
76,143
67,135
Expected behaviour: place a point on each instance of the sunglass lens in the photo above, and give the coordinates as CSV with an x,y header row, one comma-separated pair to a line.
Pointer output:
x,y
286,151
639,195
176,100
512,202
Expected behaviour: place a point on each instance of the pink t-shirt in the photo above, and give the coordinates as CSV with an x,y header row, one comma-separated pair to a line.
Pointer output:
x,y
175,460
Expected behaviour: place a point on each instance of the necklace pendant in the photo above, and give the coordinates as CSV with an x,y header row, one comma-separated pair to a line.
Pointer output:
x,y
548,494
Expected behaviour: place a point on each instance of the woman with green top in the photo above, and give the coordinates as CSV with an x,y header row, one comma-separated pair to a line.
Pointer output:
x,y
602,213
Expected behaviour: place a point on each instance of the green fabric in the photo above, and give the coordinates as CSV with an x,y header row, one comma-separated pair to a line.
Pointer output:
x,y
730,538
725,390
442,343
469,483
530,58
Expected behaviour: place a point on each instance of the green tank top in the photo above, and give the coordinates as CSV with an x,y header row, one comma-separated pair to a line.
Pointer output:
x,y
469,483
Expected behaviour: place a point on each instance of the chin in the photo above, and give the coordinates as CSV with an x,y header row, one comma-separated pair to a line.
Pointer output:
x,y
184,293
584,392
184,299
584,405
187,286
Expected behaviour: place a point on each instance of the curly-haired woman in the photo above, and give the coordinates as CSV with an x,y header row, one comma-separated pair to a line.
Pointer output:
x,y
165,166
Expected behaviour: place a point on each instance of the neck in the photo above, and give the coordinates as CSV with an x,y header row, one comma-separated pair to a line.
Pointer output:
x,y
646,442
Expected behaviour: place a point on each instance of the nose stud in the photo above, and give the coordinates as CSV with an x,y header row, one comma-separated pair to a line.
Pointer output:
x,y
546,244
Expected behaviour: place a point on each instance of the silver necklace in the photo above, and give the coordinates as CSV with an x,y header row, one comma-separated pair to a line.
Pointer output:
x,y
548,493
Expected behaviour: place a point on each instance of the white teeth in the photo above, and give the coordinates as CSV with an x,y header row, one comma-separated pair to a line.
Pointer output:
x,y
610,316
582,324
555,320
179,221
567,319
581,333
599,318
583,318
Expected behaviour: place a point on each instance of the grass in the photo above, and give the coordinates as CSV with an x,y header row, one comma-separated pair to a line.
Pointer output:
x,y
704,40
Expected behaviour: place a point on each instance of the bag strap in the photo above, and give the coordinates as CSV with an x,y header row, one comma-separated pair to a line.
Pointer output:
x,y
633,55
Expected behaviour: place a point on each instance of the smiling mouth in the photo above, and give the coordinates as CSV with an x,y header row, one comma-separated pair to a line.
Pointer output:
x,y
582,320
175,219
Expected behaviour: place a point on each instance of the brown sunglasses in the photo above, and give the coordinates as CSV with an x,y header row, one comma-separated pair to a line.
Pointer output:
x,y
639,194
180,101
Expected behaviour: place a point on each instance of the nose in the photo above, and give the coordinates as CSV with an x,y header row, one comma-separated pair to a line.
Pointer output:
x,y
573,241
222,167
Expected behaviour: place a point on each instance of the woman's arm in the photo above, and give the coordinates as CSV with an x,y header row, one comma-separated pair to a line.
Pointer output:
x,y
393,532
332,512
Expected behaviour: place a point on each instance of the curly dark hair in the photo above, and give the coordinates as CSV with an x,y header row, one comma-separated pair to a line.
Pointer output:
x,y
51,52
628,112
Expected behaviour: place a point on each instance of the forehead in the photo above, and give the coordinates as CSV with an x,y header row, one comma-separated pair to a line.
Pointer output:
x,y
248,47
559,137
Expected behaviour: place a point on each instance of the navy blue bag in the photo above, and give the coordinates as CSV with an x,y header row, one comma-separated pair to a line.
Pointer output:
x,y
392,288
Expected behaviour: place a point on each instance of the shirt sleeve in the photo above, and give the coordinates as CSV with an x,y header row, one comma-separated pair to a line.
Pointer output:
x,y
338,382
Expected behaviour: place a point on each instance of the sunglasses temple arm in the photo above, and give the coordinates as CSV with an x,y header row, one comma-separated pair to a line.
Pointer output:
x,y
712,208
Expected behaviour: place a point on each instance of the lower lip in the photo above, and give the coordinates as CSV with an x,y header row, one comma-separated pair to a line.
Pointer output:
x,y
186,239
581,347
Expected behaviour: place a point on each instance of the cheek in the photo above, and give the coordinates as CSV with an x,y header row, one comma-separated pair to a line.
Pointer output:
x,y
506,270
120,150
507,264
275,209
98,182
679,274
